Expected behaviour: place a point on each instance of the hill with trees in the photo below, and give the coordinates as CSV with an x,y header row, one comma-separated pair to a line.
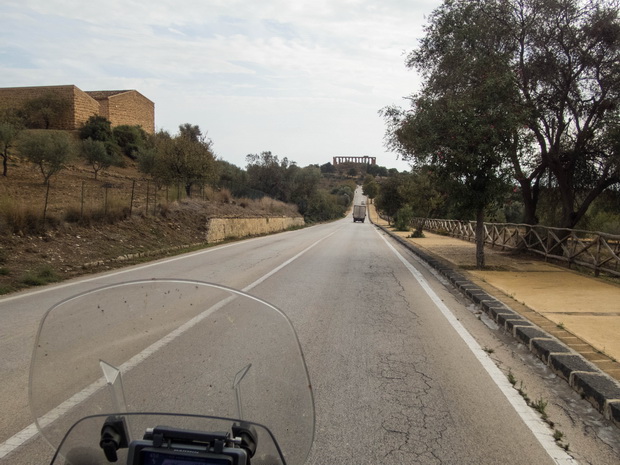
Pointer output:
x,y
75,202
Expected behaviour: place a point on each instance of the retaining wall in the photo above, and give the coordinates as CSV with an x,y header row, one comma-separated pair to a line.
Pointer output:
x,y
219,229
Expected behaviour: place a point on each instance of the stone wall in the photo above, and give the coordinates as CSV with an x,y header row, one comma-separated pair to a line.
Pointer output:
x,y
84,106
219,229
13,98
120,107
131,108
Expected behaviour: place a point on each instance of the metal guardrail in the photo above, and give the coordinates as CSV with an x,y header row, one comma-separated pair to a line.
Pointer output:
x,y
597,251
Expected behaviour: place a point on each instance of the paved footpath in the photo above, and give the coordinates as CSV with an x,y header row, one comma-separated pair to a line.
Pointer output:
x,y
579,311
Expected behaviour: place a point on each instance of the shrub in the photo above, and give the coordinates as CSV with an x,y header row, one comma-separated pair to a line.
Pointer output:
x,y
19,219
323,206
97,128
403,218
73,215
604,221
114,213
6,289
130,139
43,275
224,196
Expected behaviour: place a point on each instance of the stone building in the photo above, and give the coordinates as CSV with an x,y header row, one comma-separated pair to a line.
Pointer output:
x,y
120,107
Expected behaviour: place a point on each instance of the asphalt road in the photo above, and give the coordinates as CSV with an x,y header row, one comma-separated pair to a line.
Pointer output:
x,y
396,378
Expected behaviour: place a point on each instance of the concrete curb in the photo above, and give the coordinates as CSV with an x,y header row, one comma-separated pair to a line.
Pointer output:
x,y
602,391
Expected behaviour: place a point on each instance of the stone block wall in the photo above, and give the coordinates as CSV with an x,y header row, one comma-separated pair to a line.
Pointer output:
x,y
220,229
16,97
84,106
120,107
131,108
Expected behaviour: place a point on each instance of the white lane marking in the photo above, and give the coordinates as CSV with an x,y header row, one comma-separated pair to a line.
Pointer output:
x,y
30,431
533,422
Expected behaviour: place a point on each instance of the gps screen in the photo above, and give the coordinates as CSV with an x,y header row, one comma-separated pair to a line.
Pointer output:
x,y
158,458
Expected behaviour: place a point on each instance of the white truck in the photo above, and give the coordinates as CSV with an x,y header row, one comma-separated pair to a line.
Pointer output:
x,y
359,213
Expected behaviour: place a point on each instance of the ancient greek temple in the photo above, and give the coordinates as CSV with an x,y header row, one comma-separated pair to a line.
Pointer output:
x,y
361,160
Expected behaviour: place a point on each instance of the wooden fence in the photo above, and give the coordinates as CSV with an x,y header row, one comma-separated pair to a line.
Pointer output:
x,y
597,251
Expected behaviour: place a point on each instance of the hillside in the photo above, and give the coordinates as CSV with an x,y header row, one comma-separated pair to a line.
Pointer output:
x,y
87,225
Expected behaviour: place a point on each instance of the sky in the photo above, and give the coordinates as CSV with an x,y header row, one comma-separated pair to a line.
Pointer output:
x,y
302,79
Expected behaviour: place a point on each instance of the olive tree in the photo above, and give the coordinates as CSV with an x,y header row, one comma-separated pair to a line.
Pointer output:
x,y
180,159
8,137
50,151
97,156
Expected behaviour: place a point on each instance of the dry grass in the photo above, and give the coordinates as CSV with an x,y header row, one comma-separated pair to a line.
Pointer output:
x,y
88,222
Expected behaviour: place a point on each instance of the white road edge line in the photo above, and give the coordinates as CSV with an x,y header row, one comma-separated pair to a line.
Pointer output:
x,y
31,431
538,428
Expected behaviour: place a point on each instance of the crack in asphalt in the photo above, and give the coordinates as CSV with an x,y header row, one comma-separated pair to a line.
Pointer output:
x,y
411,429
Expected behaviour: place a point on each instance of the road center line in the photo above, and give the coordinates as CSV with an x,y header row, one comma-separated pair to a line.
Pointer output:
x,y
31,431
538,428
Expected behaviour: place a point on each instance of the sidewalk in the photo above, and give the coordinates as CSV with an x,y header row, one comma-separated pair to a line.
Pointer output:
x,y
581,312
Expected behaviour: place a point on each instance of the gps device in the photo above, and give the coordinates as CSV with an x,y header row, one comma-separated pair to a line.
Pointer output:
x,y
171,446
141,453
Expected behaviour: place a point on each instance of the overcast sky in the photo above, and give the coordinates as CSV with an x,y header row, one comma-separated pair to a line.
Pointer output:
x,y
302,79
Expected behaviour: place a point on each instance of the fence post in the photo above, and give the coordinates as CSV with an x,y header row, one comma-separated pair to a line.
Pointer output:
x,y
148,185
597,269
105,200
133,190
47,195
82,202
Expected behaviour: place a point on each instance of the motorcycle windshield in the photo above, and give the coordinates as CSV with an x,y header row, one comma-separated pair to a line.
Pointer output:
x,y
179,353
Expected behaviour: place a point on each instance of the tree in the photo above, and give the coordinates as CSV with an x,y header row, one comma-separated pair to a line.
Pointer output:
x,y
49,150
235,179
97,128
328,168
305,184
562,58
130,140
461,122
377,170
180,160
95,154
566,57
322,206
390,200
370,188
426,194
403,218
45,112
191,132
283,180
267,173
8,136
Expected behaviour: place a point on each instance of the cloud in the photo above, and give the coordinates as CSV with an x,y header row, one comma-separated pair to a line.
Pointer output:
x,y
281,75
